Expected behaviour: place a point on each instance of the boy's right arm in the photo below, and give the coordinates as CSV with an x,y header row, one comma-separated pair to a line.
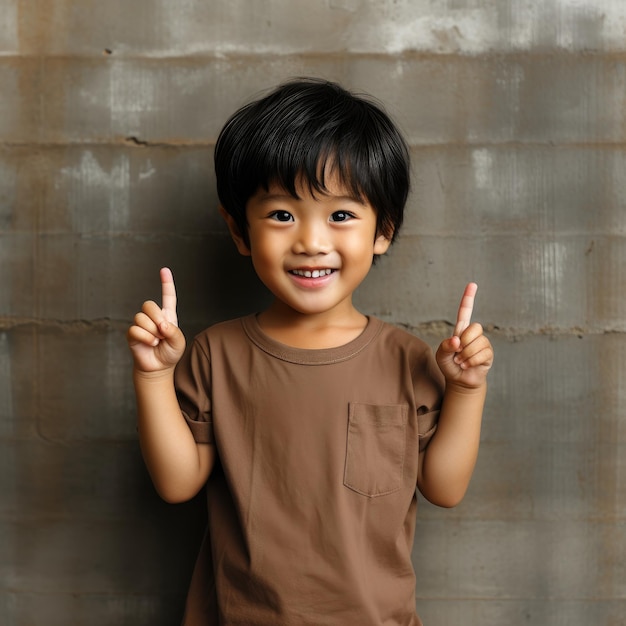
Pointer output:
x,y
178,465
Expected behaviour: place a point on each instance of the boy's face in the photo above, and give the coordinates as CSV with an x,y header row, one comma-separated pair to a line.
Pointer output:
x,y
312,252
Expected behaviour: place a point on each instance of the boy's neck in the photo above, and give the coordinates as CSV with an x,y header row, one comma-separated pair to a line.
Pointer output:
x,y
312,331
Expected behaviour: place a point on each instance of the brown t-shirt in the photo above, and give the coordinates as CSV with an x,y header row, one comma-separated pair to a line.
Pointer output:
x,y
312,500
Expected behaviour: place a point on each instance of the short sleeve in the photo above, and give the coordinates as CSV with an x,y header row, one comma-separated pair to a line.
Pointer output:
x,y
429,386
193,390
426,426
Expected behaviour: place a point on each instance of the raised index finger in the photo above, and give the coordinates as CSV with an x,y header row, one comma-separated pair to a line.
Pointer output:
x,y
465,309
168,291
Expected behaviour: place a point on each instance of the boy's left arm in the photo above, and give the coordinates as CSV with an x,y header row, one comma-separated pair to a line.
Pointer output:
x,y
447,464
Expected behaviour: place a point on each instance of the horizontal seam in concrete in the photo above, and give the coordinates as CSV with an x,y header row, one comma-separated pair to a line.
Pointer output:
x,y
547,599
10,322
14,591
429,327
141,235
140,144
445,326
107,55
131,142
541,233
530,234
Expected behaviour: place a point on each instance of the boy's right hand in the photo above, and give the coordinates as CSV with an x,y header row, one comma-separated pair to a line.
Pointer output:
x,y
154,339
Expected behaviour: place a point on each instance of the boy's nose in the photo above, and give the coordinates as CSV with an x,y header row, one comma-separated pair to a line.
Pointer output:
x,y
312,239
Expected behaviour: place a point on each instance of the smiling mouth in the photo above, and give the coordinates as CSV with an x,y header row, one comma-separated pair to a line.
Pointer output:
x,y
312,273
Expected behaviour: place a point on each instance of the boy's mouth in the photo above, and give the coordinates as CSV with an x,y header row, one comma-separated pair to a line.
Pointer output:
x,y
318,273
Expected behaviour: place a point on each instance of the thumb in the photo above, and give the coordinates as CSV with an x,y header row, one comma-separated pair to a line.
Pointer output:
x,y
450,345
172,334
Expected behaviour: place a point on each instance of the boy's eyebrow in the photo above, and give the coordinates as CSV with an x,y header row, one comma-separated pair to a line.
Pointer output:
x,y
273,195
268,196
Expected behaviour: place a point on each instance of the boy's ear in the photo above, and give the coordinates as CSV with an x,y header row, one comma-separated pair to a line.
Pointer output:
x,y
381,244
235,233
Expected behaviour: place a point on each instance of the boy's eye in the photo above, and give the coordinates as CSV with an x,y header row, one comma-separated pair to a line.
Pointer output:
x,y
341,216
281,216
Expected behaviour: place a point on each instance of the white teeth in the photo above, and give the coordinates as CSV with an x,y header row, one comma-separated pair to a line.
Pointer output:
x,y
311,274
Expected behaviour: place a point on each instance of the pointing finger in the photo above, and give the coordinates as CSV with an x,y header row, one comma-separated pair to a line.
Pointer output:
x,y
466,307
168,291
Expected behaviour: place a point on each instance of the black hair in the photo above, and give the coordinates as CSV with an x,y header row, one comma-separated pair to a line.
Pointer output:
x,y
299,133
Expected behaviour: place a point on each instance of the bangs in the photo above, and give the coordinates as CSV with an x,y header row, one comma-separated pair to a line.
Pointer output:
x,y
345,140
313,171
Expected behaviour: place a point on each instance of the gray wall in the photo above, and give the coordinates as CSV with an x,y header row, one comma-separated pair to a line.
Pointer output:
x,y
515,110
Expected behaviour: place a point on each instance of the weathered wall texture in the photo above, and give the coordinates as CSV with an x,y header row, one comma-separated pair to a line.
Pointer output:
x,y
515,110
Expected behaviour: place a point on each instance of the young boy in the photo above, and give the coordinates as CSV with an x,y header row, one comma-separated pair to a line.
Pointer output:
x,y
309,424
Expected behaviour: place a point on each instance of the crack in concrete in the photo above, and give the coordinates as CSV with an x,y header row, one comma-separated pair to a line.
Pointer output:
x,y
433,327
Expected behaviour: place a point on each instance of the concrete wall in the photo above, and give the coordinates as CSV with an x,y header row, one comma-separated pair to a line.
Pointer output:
x,y
515,110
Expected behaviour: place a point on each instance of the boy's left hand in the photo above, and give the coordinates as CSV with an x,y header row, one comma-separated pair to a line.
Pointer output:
x,y
465,358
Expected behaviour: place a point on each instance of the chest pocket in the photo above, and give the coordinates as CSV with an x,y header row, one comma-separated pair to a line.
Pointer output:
x,y
376,448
